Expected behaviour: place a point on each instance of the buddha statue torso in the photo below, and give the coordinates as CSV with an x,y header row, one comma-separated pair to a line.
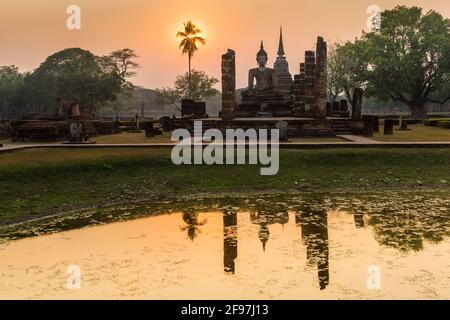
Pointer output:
x,y
265,79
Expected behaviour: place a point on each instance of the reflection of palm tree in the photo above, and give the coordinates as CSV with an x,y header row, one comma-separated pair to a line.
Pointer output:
x,y
191,219
189,44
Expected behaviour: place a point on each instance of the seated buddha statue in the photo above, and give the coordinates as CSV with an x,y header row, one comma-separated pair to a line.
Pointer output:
x,y
266,80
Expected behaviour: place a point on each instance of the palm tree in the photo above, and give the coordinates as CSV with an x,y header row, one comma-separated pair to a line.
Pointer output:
x,y
189,43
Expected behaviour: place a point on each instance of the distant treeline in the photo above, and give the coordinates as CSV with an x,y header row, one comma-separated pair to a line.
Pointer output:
x,y
74,75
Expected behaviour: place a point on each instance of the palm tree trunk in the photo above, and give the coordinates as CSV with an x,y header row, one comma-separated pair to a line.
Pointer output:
x,y
190,88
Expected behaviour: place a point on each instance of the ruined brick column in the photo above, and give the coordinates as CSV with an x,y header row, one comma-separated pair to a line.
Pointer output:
x,y
298,92
228,85
309,84
357,103
301,88
321,78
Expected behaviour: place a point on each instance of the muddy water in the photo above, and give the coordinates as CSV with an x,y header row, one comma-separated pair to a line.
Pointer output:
x,y
394,246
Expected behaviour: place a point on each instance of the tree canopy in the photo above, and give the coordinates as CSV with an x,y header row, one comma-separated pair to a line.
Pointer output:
x,y
72,74
406,60
344,71
410,57
201,87
123,61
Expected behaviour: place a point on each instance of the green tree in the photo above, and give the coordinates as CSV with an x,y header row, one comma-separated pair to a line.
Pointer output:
x,y
72,74
6,71
348,69
197,86
123,61
188,44
11,92
408,58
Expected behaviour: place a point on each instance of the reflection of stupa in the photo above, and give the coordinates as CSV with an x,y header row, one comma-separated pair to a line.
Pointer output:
x,y
264,219
281,66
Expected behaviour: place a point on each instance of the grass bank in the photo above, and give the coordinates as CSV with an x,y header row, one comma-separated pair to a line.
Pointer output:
x,y
127,137
45,181
416,133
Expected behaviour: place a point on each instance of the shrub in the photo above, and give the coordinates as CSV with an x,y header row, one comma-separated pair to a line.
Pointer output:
x,y
444,124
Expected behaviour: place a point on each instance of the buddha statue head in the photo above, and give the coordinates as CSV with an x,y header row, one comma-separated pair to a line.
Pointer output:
x,y
261,57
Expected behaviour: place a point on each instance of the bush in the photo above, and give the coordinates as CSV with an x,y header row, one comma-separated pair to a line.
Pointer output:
x,y
444,124
4,129
434,122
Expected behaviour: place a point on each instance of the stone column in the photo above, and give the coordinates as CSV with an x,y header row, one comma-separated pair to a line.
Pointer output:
x,y
228,85
357,103
388,127
301,87
321,78
309,84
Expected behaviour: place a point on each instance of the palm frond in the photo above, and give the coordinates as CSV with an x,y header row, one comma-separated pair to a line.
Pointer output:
x,y
200,39
189,41
183,42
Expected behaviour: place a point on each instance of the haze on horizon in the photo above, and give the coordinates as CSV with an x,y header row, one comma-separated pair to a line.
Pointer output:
x,y
31,31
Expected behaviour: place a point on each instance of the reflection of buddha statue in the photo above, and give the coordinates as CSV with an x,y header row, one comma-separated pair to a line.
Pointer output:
x,y
266,80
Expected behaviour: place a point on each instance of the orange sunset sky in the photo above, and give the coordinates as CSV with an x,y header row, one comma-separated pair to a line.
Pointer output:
x,y
30,30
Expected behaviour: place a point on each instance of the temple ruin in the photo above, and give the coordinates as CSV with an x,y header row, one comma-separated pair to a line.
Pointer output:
x,y
273,95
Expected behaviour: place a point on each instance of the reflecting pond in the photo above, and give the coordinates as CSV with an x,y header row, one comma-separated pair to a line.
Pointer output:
x,y
290,246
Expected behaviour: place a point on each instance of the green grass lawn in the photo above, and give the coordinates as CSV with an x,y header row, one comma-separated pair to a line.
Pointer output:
x,y
45,181
418,133
126,137
6,142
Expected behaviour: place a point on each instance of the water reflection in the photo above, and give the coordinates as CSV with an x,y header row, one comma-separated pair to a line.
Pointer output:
x,y
402,221
273,234
264,218
313,222
359,220
313,232
407,229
